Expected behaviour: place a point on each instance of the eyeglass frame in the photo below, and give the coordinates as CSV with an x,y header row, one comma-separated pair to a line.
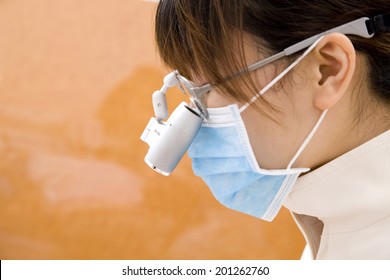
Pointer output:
x,y
362,27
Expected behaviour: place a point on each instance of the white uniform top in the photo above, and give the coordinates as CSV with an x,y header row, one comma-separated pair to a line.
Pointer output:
x,y
343,207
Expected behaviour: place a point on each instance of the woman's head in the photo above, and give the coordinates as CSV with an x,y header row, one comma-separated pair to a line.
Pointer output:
x,y
208,41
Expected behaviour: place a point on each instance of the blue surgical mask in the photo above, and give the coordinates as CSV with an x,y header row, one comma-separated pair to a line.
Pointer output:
x,y
223,157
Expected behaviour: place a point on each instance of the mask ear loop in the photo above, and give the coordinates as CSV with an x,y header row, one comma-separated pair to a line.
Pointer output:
x,y
308,138
273,82
280,76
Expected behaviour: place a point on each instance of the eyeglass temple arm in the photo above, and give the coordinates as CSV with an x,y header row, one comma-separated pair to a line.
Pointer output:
x,y
363,27
207,87
357,27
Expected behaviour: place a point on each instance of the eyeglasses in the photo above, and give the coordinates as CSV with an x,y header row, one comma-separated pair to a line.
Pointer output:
x,y
363,27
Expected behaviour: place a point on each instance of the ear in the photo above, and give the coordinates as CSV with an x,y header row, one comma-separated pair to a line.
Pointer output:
x,y
334,61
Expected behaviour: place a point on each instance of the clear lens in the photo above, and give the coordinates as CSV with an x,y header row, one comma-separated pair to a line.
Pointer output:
x,y
197,98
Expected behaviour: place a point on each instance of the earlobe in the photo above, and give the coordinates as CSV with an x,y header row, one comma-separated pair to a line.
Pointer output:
x,y
335,60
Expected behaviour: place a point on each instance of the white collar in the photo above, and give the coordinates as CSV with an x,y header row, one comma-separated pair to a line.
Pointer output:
x,y
350,191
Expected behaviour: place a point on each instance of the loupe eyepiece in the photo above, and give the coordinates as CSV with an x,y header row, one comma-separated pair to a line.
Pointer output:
x,y
168,141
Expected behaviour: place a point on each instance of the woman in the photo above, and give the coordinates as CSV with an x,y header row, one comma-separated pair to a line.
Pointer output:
x,y
277,110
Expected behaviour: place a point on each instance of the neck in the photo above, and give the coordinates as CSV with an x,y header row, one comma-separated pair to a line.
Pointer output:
x,y
344,130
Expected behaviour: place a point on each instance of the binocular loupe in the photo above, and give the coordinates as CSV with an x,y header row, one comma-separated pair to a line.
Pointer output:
x,y
169,140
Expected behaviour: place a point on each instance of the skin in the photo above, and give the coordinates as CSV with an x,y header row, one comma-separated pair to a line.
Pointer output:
x,y
330,77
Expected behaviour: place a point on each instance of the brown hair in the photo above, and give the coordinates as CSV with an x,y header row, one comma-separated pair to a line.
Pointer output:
x,y
199,38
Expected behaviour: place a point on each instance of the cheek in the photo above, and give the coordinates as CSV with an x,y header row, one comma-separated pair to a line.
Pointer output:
x,y
215,100
272,143
262,137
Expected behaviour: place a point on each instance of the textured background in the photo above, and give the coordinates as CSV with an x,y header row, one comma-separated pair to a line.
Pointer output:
x,y
76,79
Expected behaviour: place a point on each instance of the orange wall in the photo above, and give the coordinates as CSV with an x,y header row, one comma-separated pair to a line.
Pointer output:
x,y
76,79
